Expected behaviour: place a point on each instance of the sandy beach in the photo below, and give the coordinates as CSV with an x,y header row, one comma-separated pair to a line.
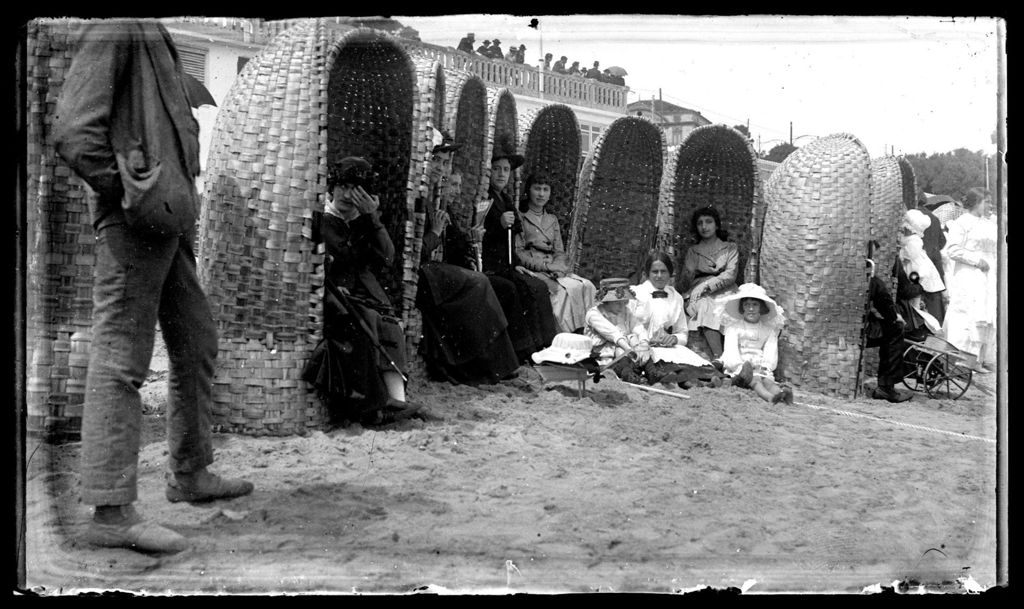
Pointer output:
x,y
525,487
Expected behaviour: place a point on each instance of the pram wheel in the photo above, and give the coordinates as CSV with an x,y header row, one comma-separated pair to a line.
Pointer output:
x,y
940,373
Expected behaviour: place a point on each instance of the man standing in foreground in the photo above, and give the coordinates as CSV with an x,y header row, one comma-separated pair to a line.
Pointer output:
x,y
124,124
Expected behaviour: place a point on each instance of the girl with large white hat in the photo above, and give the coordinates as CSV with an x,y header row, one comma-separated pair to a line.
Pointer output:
x,y
751,345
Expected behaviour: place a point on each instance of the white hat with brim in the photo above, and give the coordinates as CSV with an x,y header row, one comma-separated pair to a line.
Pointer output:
x,y
566,348
749,290
916,221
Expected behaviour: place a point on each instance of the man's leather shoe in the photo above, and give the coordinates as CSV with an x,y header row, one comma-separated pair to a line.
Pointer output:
x,y
893,395
132,532
204,486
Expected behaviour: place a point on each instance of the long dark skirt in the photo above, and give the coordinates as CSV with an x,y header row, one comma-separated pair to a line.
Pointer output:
x,y
527,307
464,328
346,368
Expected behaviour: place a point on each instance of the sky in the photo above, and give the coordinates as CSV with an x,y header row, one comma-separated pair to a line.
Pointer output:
x,y
901,85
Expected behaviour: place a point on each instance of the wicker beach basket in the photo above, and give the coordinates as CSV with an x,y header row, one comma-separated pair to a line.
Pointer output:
x,y
715,166
467,122
311,97
816,227
550,142
888,204
614,222
60,247
502,124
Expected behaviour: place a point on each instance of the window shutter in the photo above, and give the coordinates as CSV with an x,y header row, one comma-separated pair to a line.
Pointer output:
x,y
193,61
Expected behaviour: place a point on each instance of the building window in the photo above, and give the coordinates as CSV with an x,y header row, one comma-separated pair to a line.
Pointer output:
x,y
241,64
588,136
193,61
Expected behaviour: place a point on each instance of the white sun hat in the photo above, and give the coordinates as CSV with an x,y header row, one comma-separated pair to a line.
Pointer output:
x,y
566,348
749,290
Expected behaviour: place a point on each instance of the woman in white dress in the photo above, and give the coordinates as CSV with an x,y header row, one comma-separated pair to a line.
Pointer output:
x,y
665,321
971,240
540,251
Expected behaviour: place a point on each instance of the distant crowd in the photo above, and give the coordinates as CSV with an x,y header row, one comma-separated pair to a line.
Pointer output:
x,y
492,49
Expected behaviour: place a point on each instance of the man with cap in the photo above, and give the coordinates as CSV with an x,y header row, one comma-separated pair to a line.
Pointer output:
x,y
466,44
559,67
594,72
484,48
524,298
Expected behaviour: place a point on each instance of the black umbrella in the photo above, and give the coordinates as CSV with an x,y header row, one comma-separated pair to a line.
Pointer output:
x,y
198,94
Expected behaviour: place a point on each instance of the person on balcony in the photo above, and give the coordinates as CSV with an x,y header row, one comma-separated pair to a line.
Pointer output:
x,y
574,69
466,44
594,72
518,56
547,61
484,49
496,52
559,67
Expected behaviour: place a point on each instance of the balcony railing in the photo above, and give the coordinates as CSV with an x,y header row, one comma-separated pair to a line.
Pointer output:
x,y
527,80
519,78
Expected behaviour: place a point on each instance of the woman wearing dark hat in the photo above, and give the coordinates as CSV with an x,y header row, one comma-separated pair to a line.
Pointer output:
x,y
464,327
354,378
524,298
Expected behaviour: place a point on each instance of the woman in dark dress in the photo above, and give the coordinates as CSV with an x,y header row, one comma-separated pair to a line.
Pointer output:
x,y
357,379
525,300
464,327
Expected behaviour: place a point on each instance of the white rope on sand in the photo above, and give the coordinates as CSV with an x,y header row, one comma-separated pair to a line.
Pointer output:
x,y
899,423
655,390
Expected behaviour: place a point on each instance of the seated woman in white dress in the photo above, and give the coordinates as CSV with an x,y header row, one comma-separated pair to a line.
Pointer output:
x,y
751,347
540,250
667,325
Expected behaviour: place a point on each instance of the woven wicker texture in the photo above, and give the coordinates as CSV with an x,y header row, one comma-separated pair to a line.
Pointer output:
x,y
909,183
502,124
816,228
717,167
665,238
887,209
467,115
311,96
948,211
550,142
614,221
60,248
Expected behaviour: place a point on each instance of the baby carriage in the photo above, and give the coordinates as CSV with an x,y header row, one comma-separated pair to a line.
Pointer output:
x,y
938,368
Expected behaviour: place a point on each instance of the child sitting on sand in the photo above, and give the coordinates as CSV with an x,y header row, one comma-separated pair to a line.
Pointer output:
x,y
616,328
751,346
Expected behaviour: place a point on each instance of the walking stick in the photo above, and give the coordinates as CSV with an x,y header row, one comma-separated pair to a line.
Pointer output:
x,y
346,303
872,245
